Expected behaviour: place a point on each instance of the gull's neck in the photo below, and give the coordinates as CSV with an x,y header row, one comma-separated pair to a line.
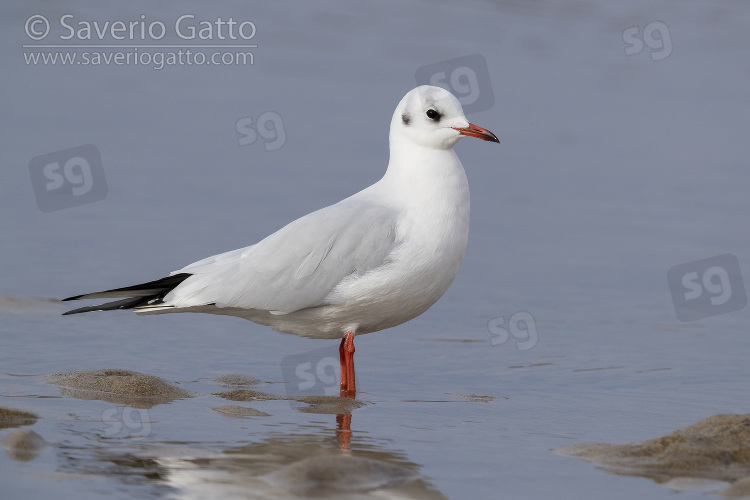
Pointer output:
x,y
429,189
419,174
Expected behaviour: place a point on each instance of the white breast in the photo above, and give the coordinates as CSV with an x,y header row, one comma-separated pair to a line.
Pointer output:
x,y
432,231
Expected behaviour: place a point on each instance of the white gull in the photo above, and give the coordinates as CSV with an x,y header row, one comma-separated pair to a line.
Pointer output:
x,y
371,261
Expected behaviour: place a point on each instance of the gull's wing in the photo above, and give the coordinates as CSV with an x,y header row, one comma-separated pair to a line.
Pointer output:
x,y
297,266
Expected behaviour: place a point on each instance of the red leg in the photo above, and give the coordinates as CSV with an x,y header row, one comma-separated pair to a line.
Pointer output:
x,y
342,358
344,430
346,355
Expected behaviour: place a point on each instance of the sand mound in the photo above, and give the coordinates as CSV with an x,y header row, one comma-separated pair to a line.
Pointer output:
x,y
235,411
10,417
230,381
739,489
134,389
717,448
327,405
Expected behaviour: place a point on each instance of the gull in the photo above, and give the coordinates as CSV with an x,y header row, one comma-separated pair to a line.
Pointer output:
x,y
372,261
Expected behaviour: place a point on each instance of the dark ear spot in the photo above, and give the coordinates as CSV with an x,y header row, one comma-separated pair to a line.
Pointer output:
x,y
405,118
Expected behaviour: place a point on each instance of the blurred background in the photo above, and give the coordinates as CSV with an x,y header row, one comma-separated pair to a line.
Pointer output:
x,y
623,155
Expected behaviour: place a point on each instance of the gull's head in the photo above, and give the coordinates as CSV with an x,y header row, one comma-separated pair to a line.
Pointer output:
x,y
432,117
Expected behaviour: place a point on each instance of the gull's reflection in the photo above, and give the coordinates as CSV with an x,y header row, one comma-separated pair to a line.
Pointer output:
x,y
329,462
285,466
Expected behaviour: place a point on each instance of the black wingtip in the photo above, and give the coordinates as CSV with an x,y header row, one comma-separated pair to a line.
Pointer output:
x,y
151,288
128,303
74,311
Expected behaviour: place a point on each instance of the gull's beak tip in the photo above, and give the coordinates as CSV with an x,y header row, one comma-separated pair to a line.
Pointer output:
x,y
478,132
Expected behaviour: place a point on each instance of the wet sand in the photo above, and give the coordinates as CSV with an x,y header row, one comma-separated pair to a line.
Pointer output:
x,y
117,386
294,467
712,454
10,417
709,453
716,448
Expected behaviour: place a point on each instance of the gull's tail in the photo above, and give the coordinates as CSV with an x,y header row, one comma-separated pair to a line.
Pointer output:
x,y
145,294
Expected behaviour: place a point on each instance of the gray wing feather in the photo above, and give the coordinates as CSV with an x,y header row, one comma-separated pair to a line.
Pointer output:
x,y
297,266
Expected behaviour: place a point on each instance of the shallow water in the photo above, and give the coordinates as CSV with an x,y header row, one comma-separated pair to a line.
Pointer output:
x,y
612,170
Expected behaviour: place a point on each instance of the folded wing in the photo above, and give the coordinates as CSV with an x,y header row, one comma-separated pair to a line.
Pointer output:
x,y
296,267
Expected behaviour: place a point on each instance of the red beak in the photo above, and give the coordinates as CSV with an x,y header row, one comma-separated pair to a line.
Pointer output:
x,y
479,132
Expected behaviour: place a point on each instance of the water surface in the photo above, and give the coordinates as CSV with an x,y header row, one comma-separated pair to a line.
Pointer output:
x,y
613,168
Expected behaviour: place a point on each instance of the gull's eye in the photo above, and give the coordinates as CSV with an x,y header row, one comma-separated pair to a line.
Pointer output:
x,y
433,115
